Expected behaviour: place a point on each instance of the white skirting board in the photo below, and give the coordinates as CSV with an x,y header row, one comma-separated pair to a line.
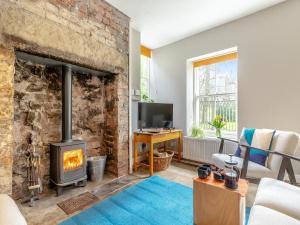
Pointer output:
x,y
202,149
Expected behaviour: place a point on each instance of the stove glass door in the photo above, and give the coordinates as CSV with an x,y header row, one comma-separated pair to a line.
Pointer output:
x,y
73,159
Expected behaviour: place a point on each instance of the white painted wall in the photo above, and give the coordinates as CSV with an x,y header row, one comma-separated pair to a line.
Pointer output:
x,y
268,68
134,75
135,70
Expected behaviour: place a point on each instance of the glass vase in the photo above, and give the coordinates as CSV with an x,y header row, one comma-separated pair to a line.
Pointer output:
x,y
218,132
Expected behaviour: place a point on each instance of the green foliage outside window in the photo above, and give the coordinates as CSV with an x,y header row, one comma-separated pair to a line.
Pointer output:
x,y
145,79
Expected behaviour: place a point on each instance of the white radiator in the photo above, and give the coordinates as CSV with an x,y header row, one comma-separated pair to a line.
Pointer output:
x,y
201,149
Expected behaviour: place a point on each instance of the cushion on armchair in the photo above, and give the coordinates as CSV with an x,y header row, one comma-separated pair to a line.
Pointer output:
x,y
256,138
245,139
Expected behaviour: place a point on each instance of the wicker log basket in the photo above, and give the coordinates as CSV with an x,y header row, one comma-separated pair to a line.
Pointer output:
x,y
162,162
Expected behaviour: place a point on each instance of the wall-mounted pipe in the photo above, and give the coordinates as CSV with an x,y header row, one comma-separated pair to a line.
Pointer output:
x,y
66,103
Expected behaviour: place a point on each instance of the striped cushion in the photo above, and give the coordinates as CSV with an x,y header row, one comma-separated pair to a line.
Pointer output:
x,y
256,138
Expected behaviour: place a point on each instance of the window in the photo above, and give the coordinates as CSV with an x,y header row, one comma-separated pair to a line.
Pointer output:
x,y
145,73
215,93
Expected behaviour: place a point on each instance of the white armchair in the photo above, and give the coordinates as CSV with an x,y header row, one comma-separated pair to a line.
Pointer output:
x,y
283,148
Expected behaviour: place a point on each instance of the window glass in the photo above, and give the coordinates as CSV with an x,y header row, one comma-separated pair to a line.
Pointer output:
x,y
145,78
215,93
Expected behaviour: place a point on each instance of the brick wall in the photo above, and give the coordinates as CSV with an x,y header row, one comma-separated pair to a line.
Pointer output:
x,y
71,30
89,33
6,118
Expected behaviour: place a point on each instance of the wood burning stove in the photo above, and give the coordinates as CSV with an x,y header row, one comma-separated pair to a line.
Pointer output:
x,y
68,164
67,158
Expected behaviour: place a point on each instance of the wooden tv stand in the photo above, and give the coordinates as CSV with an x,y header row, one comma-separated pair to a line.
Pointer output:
x,y
151,138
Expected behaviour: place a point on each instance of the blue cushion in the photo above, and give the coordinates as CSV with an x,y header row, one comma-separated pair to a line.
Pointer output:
x,y
262,139
245,139
238,152
248,134
258,156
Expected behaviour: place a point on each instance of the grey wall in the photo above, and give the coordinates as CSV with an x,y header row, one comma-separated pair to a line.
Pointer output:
x,y
134,74
268,67
135,70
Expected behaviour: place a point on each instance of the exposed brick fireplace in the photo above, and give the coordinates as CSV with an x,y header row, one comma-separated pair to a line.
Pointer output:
x,y
89,34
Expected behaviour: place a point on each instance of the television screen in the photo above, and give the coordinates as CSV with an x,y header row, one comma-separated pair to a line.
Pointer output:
x,y
155,115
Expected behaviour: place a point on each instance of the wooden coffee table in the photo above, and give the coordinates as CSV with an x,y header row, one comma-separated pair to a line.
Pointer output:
x,y
214,204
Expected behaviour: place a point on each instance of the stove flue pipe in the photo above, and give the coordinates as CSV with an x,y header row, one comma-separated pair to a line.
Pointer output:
x,y
66,103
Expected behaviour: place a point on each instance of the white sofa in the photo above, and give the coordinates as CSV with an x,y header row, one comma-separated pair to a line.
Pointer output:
x,y
9,212
276,203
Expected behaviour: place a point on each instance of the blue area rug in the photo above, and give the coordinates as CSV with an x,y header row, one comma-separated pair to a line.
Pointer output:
x,y
154,201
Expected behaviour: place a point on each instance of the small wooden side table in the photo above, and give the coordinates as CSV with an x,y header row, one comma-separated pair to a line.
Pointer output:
x,y
214,204
151,139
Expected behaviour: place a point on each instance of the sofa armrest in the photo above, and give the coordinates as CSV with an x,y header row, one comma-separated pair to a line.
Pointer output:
x,y
279,196
9,212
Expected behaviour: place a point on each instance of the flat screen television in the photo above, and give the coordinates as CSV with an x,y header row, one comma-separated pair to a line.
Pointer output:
x,y
155,115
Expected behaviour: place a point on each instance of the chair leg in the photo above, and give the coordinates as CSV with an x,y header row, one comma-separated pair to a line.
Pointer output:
x,y
290,171
281,170
286,165
221,146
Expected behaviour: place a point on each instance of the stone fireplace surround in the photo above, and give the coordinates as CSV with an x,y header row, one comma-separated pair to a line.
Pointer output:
x,y
88,33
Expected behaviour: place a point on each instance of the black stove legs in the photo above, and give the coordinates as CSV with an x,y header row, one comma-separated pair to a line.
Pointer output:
x,y
60,188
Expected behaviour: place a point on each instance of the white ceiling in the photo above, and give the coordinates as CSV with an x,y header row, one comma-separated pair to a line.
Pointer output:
x,y
162,22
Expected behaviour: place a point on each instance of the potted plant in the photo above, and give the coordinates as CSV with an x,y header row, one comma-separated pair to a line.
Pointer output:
x,y
218,123
197,132
145,98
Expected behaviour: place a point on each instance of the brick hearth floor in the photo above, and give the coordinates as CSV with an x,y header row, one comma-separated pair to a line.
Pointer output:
x,y
46,211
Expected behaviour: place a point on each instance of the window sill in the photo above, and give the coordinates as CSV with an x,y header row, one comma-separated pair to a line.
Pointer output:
x,y
212,138
202,138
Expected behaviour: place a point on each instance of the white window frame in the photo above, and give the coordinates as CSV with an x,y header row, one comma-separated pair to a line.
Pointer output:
x,y
195,96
